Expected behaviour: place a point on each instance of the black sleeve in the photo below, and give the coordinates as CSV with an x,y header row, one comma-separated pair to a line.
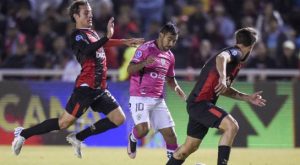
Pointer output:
x,y
81,45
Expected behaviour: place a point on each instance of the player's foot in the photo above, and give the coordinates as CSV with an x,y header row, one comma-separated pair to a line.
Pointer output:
x,y
131,148
200,164
18,142
76,144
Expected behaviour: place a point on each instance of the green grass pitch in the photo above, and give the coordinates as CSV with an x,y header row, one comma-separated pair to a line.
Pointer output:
x,y
63,155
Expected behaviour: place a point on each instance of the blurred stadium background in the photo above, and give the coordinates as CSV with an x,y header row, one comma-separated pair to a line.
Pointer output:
x,y
37,71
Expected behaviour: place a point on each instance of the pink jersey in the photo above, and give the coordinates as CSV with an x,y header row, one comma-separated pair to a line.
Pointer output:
x,y
149,82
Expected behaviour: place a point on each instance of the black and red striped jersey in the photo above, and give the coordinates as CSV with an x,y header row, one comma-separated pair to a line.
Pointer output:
x,y
88,48
204,89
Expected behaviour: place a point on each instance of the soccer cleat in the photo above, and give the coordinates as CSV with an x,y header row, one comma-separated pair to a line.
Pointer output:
x,y
131,148
200,164
18,141
169,154
76,144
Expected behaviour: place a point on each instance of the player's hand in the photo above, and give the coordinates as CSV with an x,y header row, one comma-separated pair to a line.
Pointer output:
x,y
257,99
221,87
134,42
180,92
149,60
110,27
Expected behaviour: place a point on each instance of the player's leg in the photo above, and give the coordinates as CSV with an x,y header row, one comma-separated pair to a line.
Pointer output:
x,y
161,120
170,138
73,110
77,105
22,134
216,117
195,133
140,115
191,145
114,116
230,127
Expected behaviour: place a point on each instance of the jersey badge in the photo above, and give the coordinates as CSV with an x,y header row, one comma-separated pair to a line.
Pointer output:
x,y
78,37
234,52
138,54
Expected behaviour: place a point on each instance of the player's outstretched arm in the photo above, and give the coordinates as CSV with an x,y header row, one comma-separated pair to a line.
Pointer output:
x,y
171,81
255,98
133,42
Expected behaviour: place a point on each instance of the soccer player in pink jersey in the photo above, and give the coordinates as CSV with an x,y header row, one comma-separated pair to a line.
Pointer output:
x,y
151,66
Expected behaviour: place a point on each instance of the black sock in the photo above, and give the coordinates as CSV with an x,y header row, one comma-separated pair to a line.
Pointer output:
x,y
99,127
44,127
223,155
173,161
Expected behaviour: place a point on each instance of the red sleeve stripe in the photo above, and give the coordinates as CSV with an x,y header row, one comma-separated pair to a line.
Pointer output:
x,y
75,110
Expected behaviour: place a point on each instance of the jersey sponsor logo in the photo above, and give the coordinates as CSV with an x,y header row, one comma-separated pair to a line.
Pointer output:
x,y
157,75
138,54
100,55
78,37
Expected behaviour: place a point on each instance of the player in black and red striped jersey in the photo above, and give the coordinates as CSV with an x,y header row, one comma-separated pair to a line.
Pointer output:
x,y
90,88
215,79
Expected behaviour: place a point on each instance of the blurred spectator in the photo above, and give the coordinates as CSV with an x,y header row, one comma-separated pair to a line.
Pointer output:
x,y
265,18
26,23
289,59
127,56
260,58
184,47
39,59
274,38
71,70
197,21
225,25
11,41
103,12
59,53
19,59
148,11
212,35
45,36
201,55
206,26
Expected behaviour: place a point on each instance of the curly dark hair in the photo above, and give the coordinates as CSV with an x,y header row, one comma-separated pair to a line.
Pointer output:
x,y
170,28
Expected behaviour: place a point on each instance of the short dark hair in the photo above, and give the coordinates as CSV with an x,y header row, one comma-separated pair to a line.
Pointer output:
x,y
74,7
246,36
170,28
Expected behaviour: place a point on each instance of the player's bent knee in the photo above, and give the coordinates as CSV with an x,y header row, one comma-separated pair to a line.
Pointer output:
x,y
142,129
64,124
118,120
233,128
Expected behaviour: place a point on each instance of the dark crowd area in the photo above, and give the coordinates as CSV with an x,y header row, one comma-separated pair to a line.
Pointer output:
x,y
34,33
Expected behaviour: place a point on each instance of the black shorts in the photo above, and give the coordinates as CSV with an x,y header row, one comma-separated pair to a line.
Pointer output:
x,y
203,115
84,97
